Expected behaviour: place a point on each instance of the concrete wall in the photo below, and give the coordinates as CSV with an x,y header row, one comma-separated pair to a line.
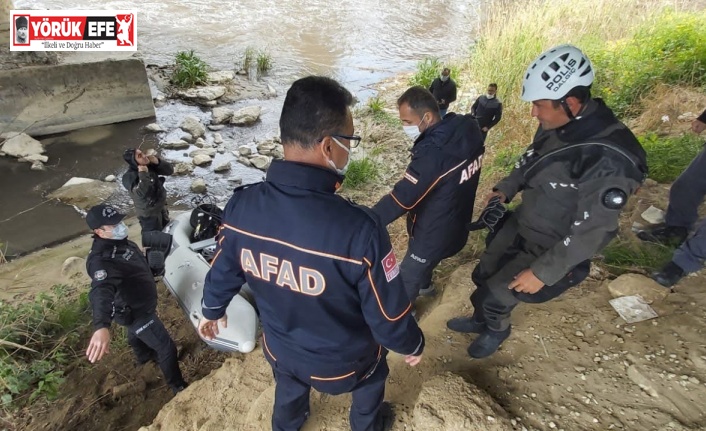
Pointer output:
x,y
5,7
42,100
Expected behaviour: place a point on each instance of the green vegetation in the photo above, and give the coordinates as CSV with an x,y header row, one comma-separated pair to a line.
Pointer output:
x,y
667,157
631,56
361,172
260,58
429,69
376,107
36,340
189,70
621,256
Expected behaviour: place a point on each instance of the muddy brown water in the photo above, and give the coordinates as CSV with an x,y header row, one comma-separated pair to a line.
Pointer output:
x,y
358,42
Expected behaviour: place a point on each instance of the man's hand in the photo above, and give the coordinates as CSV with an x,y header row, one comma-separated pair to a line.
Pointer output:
x,y
503,198
485,129
153,159
698,126
209,328
412,360
142,168
99,345
526,282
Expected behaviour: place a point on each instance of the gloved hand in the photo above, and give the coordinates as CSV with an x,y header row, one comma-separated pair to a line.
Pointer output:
x,y
492,213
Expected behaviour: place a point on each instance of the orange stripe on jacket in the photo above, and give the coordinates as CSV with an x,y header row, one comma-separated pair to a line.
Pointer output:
x,y
305,250
375,291
264,342
328,379
429,189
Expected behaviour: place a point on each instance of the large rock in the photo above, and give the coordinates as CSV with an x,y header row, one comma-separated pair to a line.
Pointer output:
x,y
22,145
246,116
183,169
223,167
203,94
449,403
636,284
220,77
260,162
193,126
178,145
198,186
84,194
201,159
221,115
210,152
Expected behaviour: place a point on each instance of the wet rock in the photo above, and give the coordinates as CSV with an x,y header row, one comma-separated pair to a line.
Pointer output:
x,y
193,126
216,128
265,148
183,169
198,186
201,159
187,138
220,77
244,151
74,270
653,215
271,91
210,103
84,192
636,284
260,162
200,142
448,402
221,150
21,145
154,128
221,115
278,152
160,101
244,161
210,152
203,94
33,158
217,138
178,145
110,179
223,167
236,180
38,166
246,116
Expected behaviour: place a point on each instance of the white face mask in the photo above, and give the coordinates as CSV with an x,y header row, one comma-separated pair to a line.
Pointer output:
x,y
413,131
490,96
443,78
119,231
342,171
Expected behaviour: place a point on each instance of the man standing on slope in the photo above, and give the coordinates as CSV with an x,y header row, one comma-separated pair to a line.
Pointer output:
x,y
444,90
576,176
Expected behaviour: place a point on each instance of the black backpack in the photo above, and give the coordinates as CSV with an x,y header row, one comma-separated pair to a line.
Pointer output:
x,y
205,221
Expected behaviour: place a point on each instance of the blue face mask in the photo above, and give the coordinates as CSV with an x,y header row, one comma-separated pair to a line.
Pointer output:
x,y
119,231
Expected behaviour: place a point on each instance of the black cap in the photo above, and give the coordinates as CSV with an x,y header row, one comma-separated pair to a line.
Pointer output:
x,y
103,215
21,22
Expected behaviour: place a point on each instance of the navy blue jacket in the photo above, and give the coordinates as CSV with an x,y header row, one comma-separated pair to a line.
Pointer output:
x,y
321,269
438,188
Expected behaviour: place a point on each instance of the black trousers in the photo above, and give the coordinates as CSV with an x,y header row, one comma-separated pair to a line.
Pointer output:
x,y
157,222
149,339
506,256
294,380
416,272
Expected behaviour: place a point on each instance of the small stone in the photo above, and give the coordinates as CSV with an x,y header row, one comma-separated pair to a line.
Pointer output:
x,y
580,369
246,116
223,167
217,138
244,161
154,128
110,179
260,162
552,425
183,169
187,138
694,380
201,159
640,285
198,186
221,115
160,101
244,151
193,126
38,166
236,180
210,152
579,334
200,142
653,215
597,359
178,145
216,127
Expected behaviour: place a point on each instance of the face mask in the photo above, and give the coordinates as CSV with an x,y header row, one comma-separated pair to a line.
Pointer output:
x,y
342,171
413,131
444,78
119,231
490,96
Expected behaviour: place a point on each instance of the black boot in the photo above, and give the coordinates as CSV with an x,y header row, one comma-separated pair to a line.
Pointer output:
x,y
669,275
467,325
487,343
387,417
667,235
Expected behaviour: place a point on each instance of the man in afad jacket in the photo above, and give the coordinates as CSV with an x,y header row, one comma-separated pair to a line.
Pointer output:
x,y
322,269
576,177
438,188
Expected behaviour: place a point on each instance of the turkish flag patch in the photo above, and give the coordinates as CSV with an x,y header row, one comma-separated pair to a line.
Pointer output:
x,y
389,265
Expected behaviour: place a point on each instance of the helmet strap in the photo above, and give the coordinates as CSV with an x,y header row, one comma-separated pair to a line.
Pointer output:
x,y
565,105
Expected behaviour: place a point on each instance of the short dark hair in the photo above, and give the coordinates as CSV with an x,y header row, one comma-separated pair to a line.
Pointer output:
x,y
446,69
315,107
582,93
419,99
494,85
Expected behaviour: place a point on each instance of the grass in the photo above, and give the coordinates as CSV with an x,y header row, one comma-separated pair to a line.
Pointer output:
x,y
361,172
429,69
622,256
376,107
189,70
261,59
514,33
667,157
37,340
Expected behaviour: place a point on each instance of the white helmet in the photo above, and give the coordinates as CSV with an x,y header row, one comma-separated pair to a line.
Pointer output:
x,y
555,72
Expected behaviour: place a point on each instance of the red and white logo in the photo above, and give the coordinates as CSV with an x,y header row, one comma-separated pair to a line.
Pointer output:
x,y
79,30
389,265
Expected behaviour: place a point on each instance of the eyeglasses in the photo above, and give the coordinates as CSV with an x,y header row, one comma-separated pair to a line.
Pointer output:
x,y
353,139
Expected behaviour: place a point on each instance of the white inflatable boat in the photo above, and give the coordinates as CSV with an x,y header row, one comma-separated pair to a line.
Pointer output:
x,y
186,266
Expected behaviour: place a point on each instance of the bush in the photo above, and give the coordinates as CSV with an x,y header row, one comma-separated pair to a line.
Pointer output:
x,y
189,70
360,172
429,69
668,157
36,340
264,62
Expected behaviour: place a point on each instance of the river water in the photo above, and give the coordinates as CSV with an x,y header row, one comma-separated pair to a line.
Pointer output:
x,y
358,42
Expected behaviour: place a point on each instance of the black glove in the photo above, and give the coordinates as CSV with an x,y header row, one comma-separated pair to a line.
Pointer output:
x,y
492,213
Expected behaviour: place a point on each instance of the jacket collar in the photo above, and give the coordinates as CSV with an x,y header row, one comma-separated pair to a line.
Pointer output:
x,y
303,176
